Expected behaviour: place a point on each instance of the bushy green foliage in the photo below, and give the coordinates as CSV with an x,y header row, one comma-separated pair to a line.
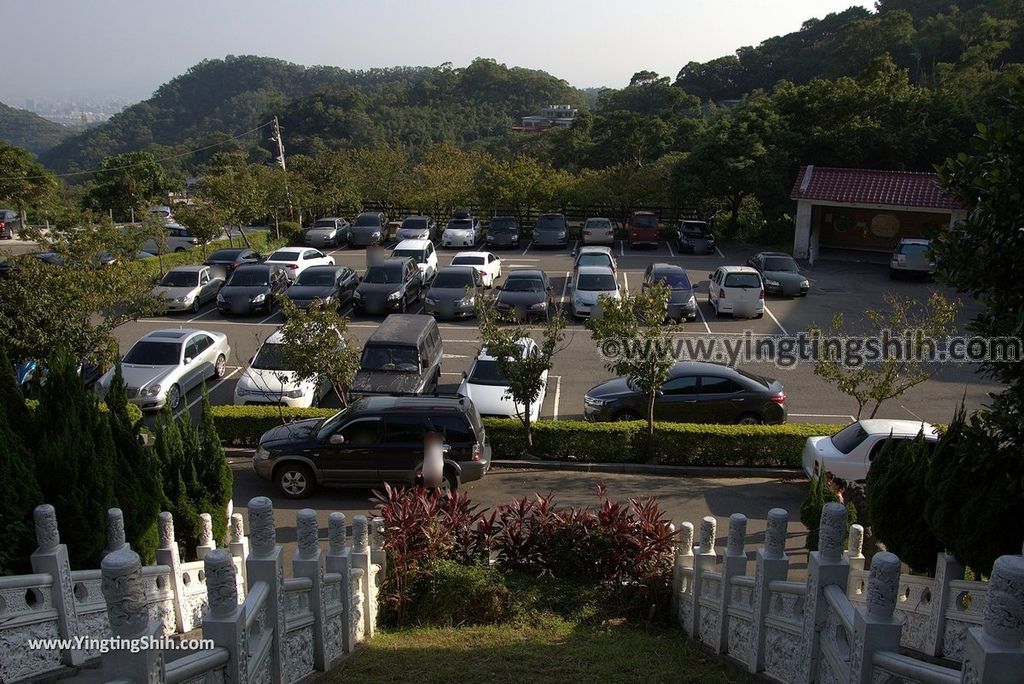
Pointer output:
x,y
292,232
29,130
820,493
213,472
454,595
243,425
19,491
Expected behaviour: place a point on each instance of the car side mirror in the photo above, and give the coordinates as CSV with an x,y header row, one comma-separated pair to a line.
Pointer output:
x,y
188,360
465,376
710,276
336,439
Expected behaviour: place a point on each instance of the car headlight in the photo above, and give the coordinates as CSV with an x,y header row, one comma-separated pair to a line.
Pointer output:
x,y
805,283
357,295
395,296
261,297
431,301
591,401
772,283
490,238
376,233
294,394
539,305
326,300
561,234
153,391
467,301
220,298
185,299
692,301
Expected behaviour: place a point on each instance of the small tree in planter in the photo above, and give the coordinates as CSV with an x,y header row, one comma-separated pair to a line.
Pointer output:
x,y
316,345
523,371
630,334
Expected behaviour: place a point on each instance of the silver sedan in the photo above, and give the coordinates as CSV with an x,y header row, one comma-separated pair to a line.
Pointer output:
x,y
187,288
164,365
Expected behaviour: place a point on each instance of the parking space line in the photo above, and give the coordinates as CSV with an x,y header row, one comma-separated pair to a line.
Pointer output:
x,y
625,282
769,312
670,252
528,244
202,315
209,391
446,373
702,319
558,395
265,320
622,248
719,252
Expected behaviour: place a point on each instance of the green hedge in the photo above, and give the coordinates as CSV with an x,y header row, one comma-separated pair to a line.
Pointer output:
x,y
674,443
134,412
262,241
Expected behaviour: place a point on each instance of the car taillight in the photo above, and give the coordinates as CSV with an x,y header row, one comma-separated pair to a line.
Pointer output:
x,y
293,266
761,296
232,267
721,293
779,398
477,451
586,232
2,224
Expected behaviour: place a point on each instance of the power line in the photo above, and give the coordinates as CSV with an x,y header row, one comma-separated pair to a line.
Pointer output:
x,y
129,166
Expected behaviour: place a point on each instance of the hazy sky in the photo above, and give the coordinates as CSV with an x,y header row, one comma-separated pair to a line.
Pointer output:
x,y
126,48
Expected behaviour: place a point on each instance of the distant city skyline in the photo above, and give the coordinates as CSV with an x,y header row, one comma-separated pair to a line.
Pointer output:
x,y
124,50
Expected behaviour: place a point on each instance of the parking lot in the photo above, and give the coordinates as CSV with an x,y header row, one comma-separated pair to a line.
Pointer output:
x,y
837,285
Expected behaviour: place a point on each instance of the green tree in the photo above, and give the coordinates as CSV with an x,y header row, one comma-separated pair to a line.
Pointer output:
x,y
524,373
213,471
317,347
918,329
19,490
820,493
127,184
24,182
383,177
204,219
518,185
179,479
444,179
630,333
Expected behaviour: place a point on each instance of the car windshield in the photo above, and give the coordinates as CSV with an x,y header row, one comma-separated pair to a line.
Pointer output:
x,y
315,278
390,359
325,223
550,223
523,285
591,282
180,279
149,353
367,220
913,249
453,279
270,357
594,260
414,224
468,261
847,439
677,281
414,254
460,224
383,275
243,278
224,255
502,225
598,223
743,280
645,222
486,373
284,255
694,230
780,264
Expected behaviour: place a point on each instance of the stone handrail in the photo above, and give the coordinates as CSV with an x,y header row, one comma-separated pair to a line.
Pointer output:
x,y
914,670
195,665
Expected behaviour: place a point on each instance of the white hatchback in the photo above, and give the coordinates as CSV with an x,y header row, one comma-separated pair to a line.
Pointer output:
x,y
422,253
488,389
295,260
848,453
736,290
486,264
267,380
590,284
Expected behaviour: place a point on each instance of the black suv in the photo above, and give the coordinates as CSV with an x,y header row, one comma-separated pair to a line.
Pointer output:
x,y
375,440
391,285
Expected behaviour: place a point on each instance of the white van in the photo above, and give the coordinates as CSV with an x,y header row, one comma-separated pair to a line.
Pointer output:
x,y
422,253
736,290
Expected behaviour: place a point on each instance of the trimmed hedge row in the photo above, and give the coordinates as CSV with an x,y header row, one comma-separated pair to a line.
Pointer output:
x,y
674,443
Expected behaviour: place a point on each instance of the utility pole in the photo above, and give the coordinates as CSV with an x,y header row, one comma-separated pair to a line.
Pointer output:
x,y
279,141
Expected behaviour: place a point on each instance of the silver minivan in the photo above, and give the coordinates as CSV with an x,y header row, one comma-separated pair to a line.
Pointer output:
x,y
912,255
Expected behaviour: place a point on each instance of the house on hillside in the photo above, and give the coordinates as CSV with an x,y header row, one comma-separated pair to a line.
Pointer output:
x,y
553,115
867,209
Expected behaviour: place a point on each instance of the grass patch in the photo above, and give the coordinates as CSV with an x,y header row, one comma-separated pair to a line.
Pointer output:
x,y
549,650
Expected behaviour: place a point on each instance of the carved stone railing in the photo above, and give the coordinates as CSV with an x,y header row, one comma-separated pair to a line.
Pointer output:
x,y
27,612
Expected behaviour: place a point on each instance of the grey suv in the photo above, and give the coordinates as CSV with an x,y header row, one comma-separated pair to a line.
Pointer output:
x,y
391,285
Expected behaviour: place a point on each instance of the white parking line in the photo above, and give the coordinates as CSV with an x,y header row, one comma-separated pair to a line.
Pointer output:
x,y
719,252
565,287
558,395
702,319
267,319
625,283
527,247
446,373
769,312
822,415
622,249
209,390
202,315
670,252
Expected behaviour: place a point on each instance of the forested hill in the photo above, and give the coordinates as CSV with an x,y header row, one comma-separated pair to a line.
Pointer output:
x,y
410,105
29,130
930,38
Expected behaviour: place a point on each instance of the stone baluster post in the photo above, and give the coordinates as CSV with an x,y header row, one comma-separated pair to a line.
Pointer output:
x,y
307,563
772,565
684,560
239,543
855,547
339,561
167,554
206,542
825,567
361,560
947,569
266,564
875,628
51,558
377,554
115,531
993,653
125,596
704,560
224,622
735,564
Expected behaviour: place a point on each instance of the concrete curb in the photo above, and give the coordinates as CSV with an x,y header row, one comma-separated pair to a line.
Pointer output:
x,y
652,469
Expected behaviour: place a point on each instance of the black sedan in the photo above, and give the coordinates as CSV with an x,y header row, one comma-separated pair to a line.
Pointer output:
x,y
453,292
332,285
695,237
681,301
781,274
695,392
503,231
227,260
251,289
526,294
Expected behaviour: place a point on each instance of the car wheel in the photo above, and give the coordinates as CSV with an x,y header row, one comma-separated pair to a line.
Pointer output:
x,y
760,315
405,304
749,419
627,415
449,483
219,367
174,397
196,305
294,480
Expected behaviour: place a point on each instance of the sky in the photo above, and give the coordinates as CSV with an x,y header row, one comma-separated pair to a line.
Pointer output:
x,y
127,48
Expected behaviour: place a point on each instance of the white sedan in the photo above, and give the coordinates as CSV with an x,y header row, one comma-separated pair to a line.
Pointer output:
x,y
486,264
489,390
268,380
848,453
295,260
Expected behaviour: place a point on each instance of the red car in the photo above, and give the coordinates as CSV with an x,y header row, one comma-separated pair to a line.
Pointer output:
x,y
642,229
8,219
